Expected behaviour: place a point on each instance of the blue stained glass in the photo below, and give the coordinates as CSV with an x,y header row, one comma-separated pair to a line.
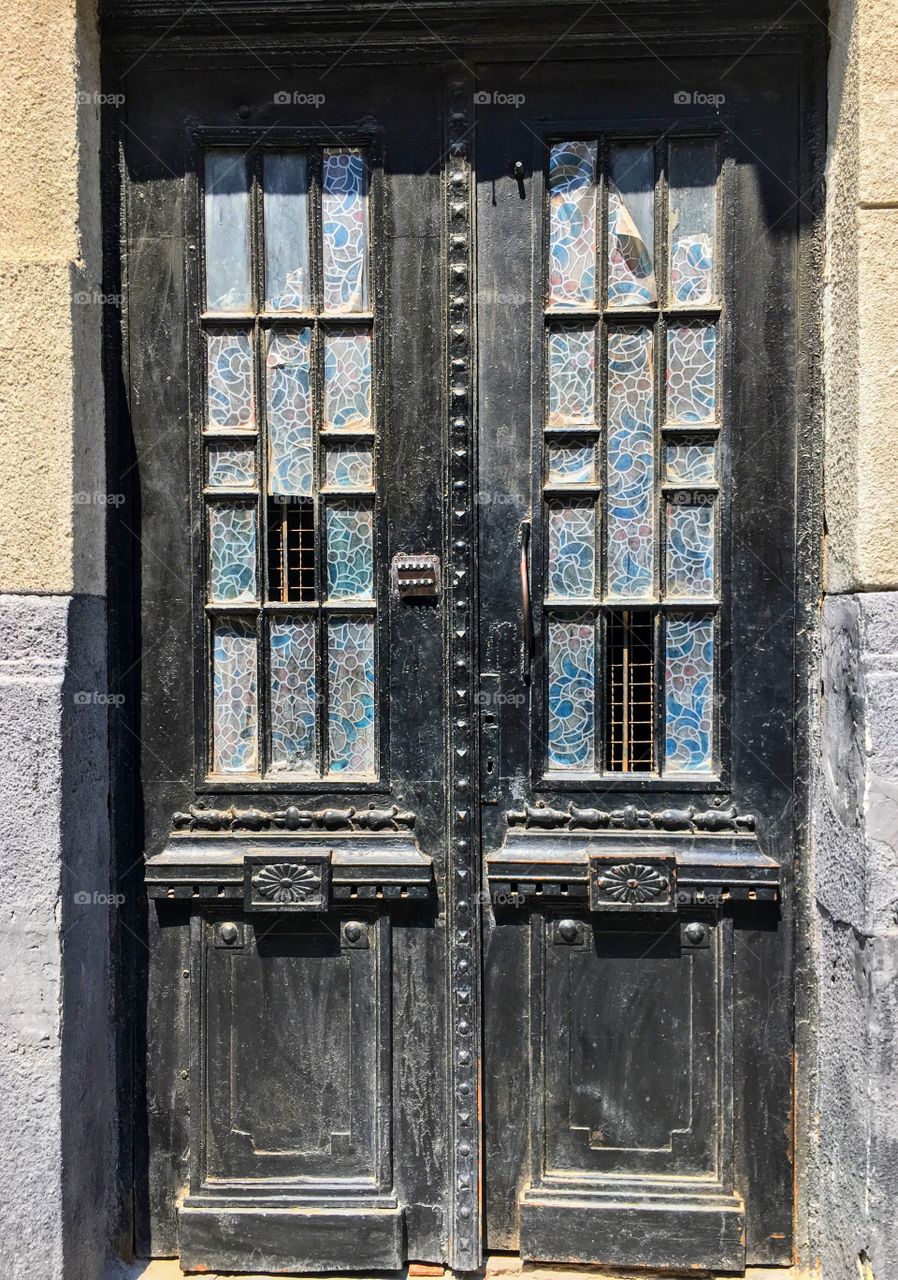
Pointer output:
x,y
347,381
630,464
350,666
572,376
571,464
692,219
229,381
350,551
293,695
691,371
689,693
690,463
286,218
344,231
572,550
690,546
226,209
572,232
572,693
232,554
289,406
230,466
349,466
631,226
234,698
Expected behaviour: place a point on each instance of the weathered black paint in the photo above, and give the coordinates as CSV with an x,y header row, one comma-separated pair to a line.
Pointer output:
x,y
746,1026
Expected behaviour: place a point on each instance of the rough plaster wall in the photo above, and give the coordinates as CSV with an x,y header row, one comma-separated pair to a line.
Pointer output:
x,y
51,394
56,1063
861,282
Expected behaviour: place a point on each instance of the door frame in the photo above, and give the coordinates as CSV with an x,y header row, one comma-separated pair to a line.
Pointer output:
x,y
158,33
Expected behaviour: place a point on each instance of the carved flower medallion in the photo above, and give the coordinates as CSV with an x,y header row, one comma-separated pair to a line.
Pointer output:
x,y
633,882
287,882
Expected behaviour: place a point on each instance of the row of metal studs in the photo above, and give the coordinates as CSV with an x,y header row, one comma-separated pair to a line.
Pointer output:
x,y
463,915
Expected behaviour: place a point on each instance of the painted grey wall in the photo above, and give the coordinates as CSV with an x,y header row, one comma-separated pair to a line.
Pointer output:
x,y
57,1118
854,1170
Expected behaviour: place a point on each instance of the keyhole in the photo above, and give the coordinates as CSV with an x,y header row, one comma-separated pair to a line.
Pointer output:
x,y
518,171
489,765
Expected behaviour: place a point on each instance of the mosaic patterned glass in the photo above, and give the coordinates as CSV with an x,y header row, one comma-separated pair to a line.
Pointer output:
x,y
631,226
230,466
350,551
572,376
344,202
691,372
348,466
347,381
688,463
289,406
690,547
293,695
286,218
235,716
689,693
630,464
229,381
226,209
232,554
692,181
572,226
571,464
571,729
572,550
350,675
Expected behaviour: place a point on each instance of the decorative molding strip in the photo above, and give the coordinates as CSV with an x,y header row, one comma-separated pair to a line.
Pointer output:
x,y
543,818
199,818
462,898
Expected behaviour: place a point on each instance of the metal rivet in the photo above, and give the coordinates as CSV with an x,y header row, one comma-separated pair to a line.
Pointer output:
x,y
352,930
229,933
567,929
695,932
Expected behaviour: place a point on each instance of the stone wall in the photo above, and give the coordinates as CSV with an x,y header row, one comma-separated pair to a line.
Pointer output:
x,y
57,1120
853,1174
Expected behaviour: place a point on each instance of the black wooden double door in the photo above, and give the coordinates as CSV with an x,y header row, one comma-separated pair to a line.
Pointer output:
x,y
464,413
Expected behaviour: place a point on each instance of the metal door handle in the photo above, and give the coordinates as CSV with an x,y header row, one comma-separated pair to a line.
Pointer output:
x,y
527,617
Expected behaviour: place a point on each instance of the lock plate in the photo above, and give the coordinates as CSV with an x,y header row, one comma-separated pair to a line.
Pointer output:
x,y
416,577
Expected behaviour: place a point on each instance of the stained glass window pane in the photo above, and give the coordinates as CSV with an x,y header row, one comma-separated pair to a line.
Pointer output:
x,y
348,466
689,693
289,405
286,219
631,225
230,465
350,668
347,381
234,698
226,201
571,464
232,554
293,695
344,200
690,546
350,551
230,404
572,693
691,372
692,178
572,376
572,230
572,549
630,464
688,463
